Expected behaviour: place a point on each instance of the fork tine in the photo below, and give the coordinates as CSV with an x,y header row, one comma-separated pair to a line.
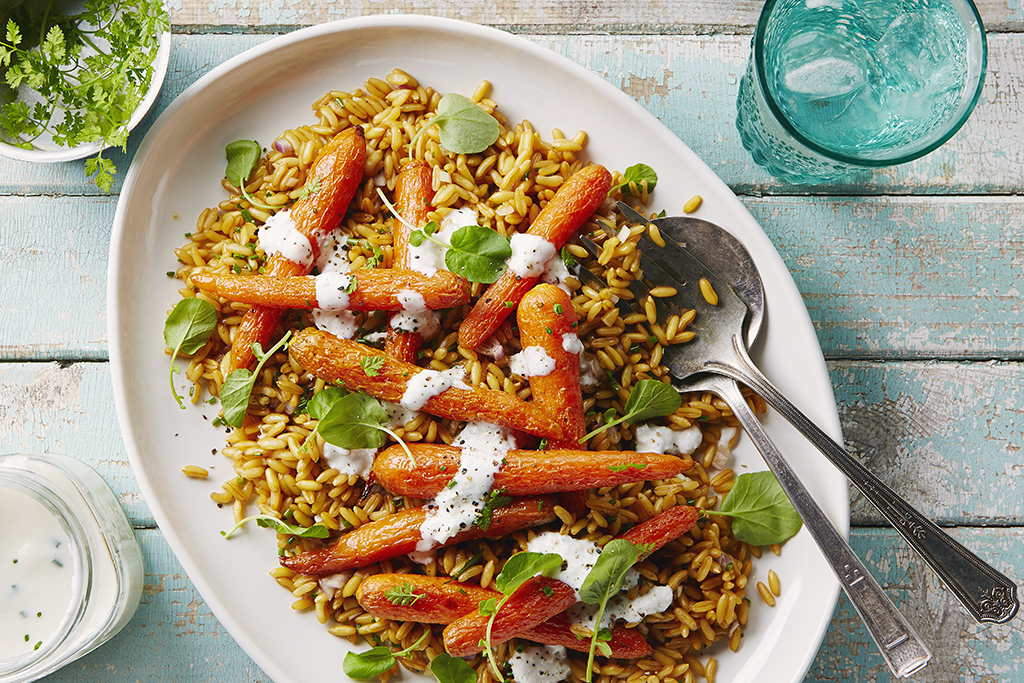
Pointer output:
x,y
639,290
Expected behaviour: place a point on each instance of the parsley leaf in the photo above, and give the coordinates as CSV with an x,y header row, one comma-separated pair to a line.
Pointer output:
x,y
403,595
494,501
371,365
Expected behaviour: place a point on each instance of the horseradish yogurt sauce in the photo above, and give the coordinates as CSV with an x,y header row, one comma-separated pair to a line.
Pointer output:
x,y
484,447
333,262
280,235
655,439
38,569
579,557
428,257
332,291
540,664
533,361
427,384
530,254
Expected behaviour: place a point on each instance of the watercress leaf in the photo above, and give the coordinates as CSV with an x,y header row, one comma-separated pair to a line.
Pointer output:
x,y
416,238
354,421
190,324
237,387
448,669
761,513
243,155
268,522
638,173
314,531
651,398
488,607
523,566
478,254
364,666
465,128
605,578
234,396
322,401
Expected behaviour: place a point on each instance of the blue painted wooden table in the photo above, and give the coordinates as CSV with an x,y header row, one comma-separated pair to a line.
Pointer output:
x,y
912,276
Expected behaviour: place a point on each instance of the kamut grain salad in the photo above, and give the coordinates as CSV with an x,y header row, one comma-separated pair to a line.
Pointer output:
x,y
473,460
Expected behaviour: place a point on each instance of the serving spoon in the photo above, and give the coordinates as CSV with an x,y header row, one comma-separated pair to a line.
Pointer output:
x,y
902,649
721,348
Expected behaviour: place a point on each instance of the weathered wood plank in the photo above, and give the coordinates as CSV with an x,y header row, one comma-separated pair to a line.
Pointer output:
x,y
175,637
946,436
536,15
903,278
690,83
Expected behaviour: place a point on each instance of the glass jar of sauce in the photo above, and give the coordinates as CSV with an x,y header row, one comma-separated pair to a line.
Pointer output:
x,y
71,569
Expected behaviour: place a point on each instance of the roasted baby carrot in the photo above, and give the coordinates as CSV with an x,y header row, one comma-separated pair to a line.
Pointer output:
x,y
340,361
625,643
440,600
661,529
414,193
533,603
336,173
573,203
373,289
523,472
547,320
399,533
428,599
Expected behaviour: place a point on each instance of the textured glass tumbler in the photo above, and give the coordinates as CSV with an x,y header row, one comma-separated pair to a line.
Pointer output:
x,y
838,87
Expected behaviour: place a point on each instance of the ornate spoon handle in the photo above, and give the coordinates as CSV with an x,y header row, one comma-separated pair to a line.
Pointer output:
x,y
984,592
899,645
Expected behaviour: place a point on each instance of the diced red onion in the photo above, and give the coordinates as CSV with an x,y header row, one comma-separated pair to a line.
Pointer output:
x,y
283,146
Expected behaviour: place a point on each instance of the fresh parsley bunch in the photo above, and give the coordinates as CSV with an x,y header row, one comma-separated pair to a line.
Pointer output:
x,y
89,71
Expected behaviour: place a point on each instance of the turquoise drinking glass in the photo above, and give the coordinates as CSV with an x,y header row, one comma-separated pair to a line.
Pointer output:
x,y
835,87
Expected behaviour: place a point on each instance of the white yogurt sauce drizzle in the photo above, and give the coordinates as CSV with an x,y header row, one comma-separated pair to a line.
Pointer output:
x,y
37,574
356,461
280,235
655,439
556,273
571,343
533,361
530,255
540,664
332,291
484,447
333,262
426,384
428,257
579,558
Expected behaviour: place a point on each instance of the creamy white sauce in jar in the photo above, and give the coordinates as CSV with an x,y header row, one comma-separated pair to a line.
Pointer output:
x,y
455,509
530,254
280,235
38,572
533,361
